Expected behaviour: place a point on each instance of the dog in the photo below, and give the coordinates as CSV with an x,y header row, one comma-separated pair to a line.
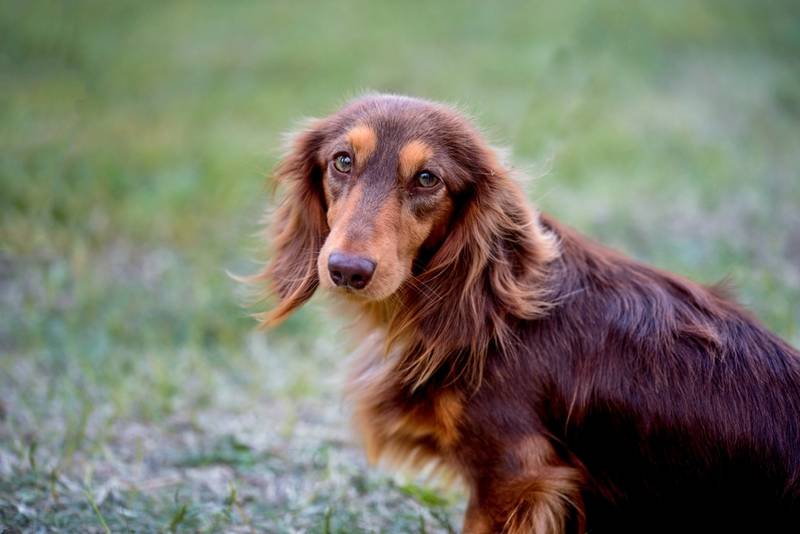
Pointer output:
x,y
570,388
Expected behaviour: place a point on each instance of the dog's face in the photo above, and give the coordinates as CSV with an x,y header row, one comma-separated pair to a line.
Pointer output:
x,y
387,173
389,192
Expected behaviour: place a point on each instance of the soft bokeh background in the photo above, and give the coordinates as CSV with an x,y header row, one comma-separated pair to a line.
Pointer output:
x,y
135,139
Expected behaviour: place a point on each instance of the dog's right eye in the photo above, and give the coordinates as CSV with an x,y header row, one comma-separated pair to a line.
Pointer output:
x,y
343,162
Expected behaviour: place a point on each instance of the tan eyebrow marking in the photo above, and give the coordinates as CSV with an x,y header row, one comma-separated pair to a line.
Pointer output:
x,y
413,156
363,139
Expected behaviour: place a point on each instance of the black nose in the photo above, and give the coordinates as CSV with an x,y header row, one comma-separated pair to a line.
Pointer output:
x,y
349,270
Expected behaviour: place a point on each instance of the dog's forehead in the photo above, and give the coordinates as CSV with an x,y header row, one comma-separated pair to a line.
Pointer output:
x,y
389,132
395,121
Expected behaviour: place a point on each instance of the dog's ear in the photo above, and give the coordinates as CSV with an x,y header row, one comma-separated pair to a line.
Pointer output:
x,y
299,226
490,271
503,248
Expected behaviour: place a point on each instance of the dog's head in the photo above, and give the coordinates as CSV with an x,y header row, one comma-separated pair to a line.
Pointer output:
x,y
389,184
392,194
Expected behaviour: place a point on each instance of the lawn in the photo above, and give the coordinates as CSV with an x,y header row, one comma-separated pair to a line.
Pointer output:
x,y
136,141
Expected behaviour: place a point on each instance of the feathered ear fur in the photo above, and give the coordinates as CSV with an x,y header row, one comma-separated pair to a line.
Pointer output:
x,y
488,273
299,227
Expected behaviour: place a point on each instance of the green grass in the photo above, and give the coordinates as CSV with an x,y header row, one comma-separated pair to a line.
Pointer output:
x,y
134,144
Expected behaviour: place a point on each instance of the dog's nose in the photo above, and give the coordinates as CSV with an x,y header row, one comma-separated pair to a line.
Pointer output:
x,y
350,270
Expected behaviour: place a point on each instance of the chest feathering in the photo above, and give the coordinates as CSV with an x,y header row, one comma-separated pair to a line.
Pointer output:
x,y
404,428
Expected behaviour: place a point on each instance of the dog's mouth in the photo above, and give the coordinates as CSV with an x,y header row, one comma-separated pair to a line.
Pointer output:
x,y
378,290
350,292
363,295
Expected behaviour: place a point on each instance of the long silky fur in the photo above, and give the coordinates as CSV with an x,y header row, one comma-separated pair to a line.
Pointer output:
x,y
297,232
495,241
567,385
501,255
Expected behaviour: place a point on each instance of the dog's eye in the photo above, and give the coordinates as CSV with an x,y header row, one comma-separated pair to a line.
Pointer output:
x,y
343,162
427,179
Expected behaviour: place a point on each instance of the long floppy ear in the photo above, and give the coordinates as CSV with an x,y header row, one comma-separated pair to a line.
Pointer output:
x,y
299,227
489,272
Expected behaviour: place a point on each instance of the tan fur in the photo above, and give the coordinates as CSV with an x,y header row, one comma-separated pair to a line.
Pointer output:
x,y
393,242
349,235
551,490
477,520
546,503
540,498
413,157
339,216
363,139
407,436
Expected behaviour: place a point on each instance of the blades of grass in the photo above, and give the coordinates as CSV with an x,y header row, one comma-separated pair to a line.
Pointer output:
x,y
177,518
97,511
230,500
326,521
444,521
76,431
32,454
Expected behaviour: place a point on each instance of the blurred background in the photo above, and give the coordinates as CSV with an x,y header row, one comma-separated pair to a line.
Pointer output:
x,y
136,141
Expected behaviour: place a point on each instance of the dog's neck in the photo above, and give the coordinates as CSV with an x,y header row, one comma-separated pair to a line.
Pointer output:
x,y
418,354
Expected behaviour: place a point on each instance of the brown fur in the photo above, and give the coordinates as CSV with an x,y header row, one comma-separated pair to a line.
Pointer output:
x,y
572,389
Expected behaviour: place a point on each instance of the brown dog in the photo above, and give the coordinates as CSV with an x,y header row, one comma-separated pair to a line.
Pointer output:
x,y
572,389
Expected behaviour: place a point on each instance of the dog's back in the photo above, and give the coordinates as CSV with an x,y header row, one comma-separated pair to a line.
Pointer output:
x,y
677,404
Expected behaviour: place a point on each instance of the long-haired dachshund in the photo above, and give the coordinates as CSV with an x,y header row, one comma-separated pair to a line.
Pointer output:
x,y
571,388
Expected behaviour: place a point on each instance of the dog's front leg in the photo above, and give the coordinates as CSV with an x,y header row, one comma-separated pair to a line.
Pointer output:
x,y
533,507
477,519
533,492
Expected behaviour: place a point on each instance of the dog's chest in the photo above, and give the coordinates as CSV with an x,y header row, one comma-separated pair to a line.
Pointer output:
x,y
399,426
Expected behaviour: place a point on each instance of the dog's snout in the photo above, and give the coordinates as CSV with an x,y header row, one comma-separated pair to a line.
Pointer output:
x,y
350,270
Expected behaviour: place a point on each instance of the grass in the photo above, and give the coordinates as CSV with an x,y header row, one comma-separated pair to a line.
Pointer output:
x,y
134,142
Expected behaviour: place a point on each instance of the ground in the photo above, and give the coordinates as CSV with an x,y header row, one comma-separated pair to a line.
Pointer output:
x,y
135,148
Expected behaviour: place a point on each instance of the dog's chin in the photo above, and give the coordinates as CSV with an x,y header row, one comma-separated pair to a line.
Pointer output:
x,y
361,296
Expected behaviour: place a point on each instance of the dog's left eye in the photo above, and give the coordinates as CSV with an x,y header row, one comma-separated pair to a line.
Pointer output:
x,y
427,179
343,163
